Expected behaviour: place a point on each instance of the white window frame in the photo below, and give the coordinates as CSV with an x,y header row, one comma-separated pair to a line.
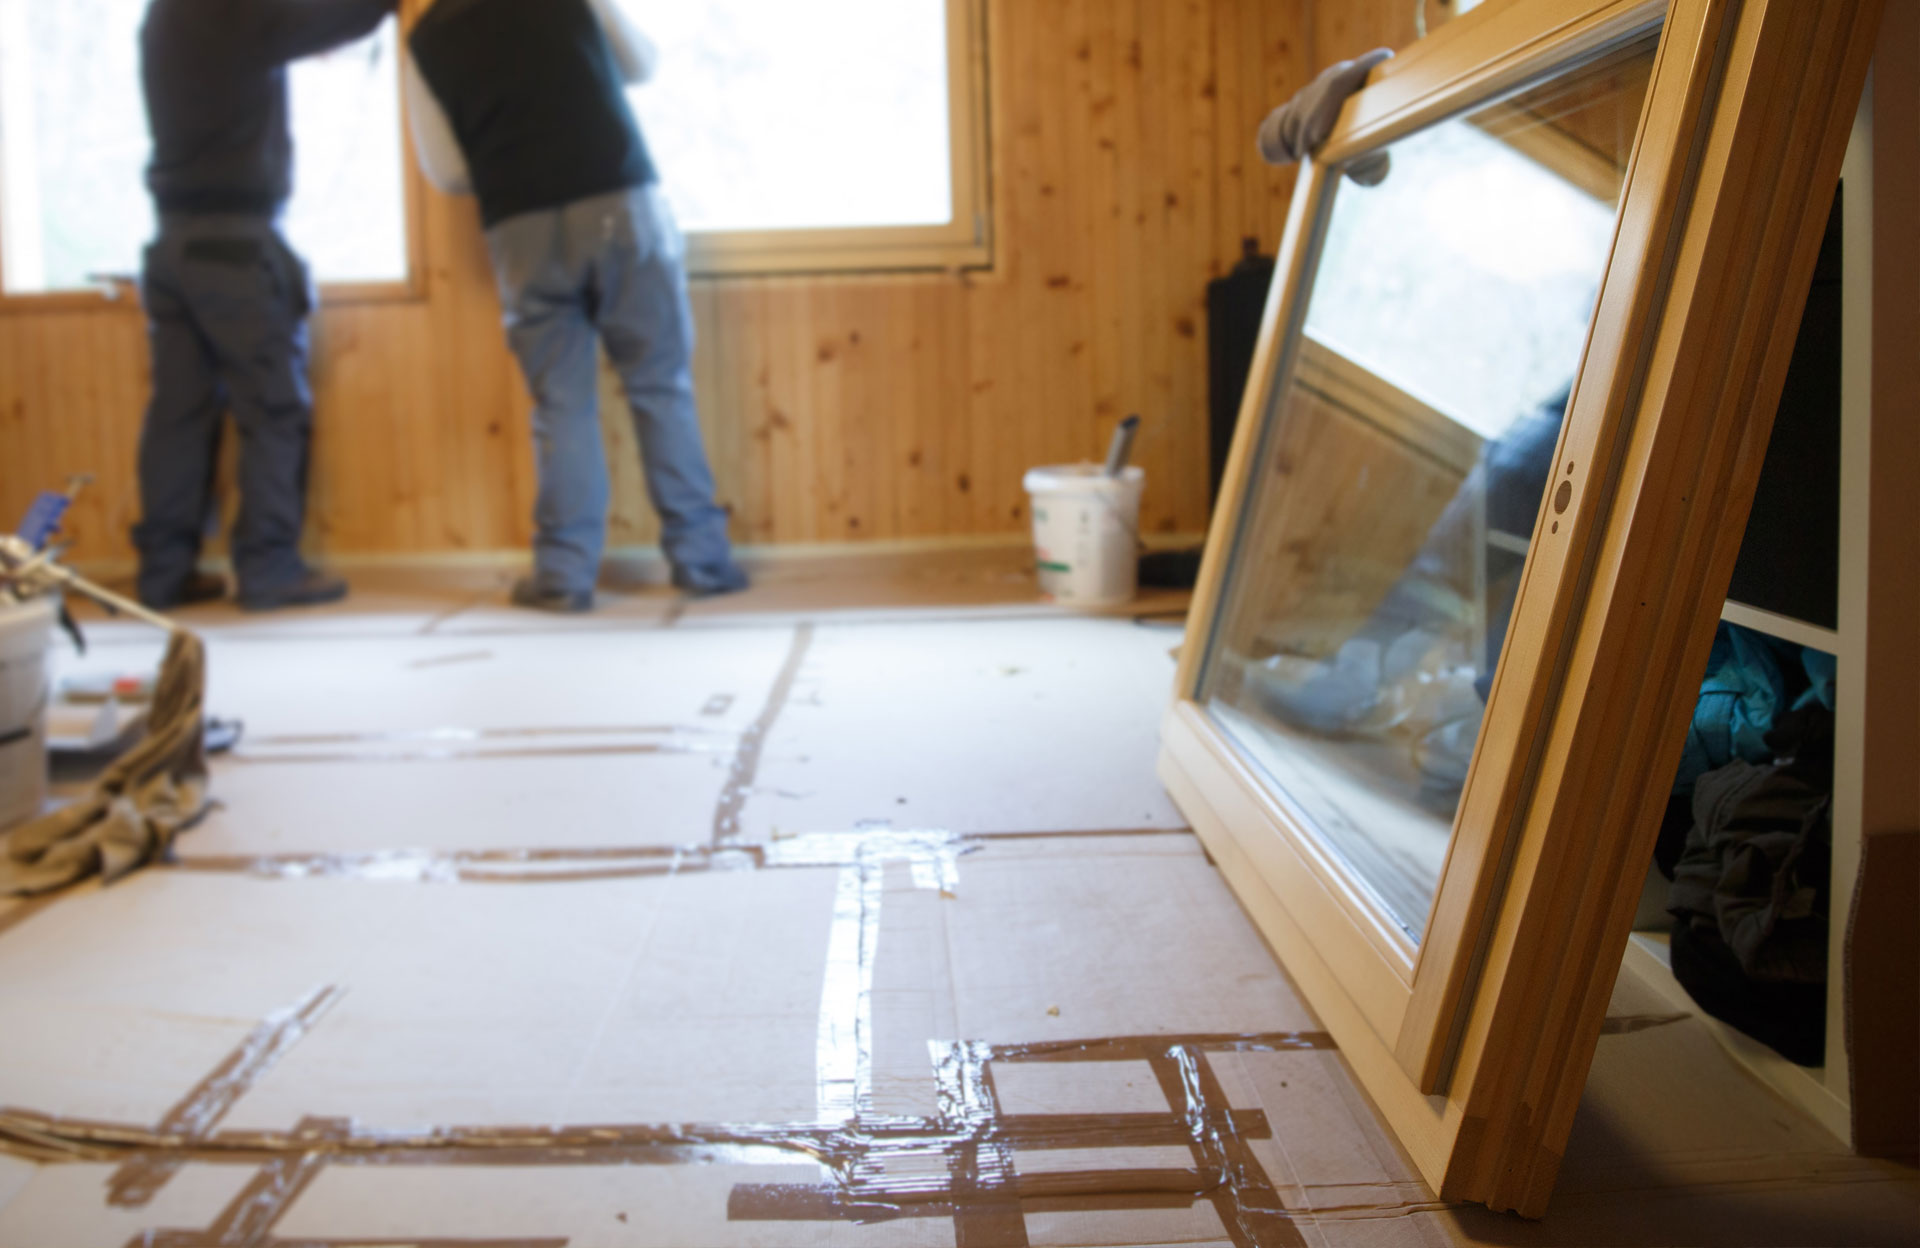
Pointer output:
x,y
966,242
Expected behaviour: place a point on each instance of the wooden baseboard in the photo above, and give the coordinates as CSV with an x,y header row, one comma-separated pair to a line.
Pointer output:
x,y
645,565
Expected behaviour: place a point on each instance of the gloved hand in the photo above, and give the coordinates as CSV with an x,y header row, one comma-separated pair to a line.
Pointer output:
x,y
1294,130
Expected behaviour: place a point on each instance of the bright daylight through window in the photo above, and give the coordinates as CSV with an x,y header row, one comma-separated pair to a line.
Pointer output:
x,y
793,125
74,211
1490,323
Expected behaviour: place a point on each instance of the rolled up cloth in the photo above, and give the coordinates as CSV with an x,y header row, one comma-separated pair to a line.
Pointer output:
x,y
138,805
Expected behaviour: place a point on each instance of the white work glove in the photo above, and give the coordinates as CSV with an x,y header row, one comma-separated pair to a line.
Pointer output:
x,y
1297,128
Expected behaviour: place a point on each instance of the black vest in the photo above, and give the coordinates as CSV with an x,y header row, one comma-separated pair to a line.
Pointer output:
x,y
536,99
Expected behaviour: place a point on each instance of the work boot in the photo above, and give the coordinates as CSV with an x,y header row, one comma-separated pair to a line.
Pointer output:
x,y
529,593
311,589
712,580
199,587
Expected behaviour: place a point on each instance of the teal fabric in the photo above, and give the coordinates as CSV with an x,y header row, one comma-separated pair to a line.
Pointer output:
x,y
1744,689
1821,669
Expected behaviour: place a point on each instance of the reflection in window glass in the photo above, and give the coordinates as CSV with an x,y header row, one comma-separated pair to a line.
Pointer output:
x,y
771,115
74,208
1479,309
1401,471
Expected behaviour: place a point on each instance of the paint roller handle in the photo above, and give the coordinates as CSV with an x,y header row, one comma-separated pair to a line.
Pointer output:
x,y
1122,449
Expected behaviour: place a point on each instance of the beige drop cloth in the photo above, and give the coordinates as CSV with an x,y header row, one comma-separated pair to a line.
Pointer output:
x,y
134,810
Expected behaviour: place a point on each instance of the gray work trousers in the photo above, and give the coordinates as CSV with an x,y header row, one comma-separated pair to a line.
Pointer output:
x,y
227,303
608,269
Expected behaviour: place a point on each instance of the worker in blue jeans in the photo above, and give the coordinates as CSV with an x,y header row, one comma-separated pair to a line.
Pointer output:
x,y
226,298
522,103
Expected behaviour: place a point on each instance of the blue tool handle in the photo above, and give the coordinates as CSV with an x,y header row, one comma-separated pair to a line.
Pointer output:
x,y
43,519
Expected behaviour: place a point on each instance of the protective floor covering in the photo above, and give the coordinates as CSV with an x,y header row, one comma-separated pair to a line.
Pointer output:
x,y
755,924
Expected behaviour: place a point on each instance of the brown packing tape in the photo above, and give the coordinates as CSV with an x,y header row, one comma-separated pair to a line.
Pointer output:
x,y
434,745
1246,1201
449,754
250,1217
136,1183
969,1130
877,1163
473,735
933,856
746,762
1079,834
450,660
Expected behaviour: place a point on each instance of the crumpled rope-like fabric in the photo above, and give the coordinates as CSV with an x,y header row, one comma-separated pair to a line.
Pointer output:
x,y
148,795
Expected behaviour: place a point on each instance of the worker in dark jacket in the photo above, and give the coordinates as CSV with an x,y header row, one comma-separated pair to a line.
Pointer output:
x,y
522,103
226,299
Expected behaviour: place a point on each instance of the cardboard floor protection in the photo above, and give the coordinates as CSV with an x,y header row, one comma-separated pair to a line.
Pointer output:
x,y
623,935
986,725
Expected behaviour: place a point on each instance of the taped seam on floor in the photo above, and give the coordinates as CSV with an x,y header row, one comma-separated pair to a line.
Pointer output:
x,y
746,760
982,1189
435,745
137,1182
931,855
48,1138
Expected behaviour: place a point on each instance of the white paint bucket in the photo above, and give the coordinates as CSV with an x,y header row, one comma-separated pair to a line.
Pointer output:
x,y
26,630
1086,533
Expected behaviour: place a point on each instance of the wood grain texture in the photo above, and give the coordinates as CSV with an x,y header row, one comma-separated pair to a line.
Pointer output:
x,y
1738,156
1883,956
837,408
1345,506
1662,562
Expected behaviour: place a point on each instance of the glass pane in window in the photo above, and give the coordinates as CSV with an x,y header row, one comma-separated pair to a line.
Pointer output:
x,y
1402,468
348,217
74,146
771,115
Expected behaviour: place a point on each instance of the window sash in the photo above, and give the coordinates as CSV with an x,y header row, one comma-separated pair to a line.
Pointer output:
x,y
966,241
114,288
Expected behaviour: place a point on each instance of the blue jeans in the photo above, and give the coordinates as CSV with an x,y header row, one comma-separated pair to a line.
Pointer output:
x,y
611,269
227,304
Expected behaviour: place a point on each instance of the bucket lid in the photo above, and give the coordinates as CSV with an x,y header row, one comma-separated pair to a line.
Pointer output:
x,y
1082,479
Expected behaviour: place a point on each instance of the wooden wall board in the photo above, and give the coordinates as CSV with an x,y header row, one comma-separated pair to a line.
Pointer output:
x,y
1883,996
852,407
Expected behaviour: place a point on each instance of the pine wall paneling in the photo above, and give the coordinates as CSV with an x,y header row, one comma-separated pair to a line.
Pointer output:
x,y
846,408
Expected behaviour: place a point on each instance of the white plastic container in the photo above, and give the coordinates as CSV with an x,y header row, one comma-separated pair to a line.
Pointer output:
x,y
1086,533
26,631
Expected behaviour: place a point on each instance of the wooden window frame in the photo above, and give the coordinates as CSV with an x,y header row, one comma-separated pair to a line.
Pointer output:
x,y
1475,1043
964,243
120,292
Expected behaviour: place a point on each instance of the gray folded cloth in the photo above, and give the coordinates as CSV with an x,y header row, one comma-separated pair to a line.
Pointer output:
x,y
1296,129
137,806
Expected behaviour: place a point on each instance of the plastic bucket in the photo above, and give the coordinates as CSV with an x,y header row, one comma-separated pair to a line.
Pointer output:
x,y
1086,533
26,630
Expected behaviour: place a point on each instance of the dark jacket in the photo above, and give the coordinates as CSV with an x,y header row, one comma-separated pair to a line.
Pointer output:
x,y
215,74
534,95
